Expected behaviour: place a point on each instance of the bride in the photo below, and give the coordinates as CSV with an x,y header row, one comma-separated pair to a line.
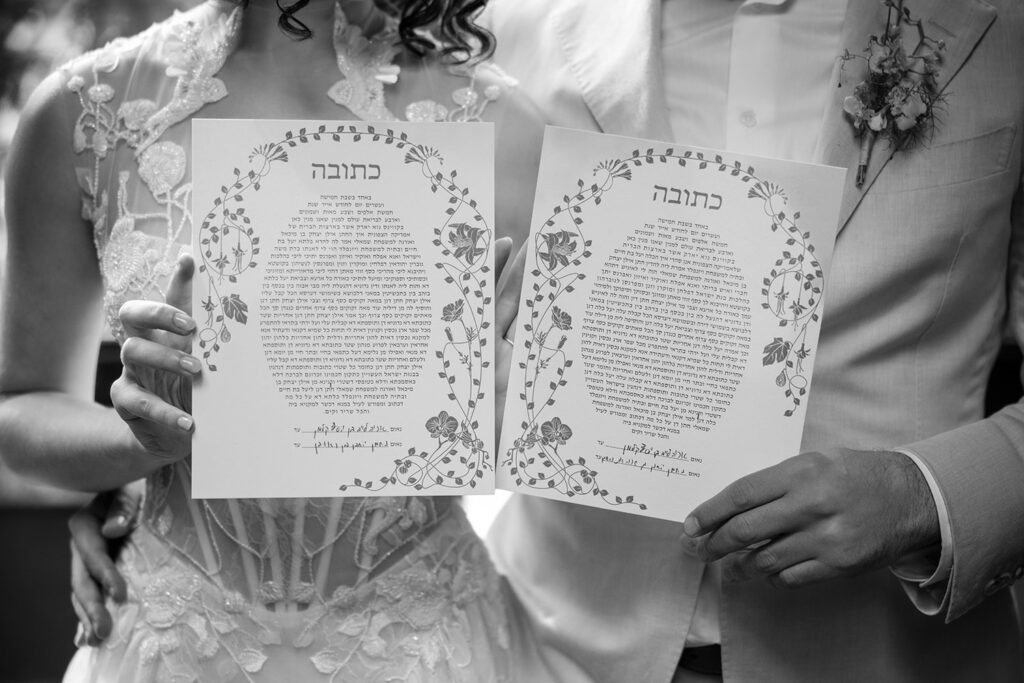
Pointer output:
x,y
356,589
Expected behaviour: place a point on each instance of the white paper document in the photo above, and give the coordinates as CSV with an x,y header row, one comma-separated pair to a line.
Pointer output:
x,y
343,297
669,321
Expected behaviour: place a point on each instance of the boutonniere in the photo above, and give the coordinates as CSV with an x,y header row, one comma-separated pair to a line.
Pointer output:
x,y
898,99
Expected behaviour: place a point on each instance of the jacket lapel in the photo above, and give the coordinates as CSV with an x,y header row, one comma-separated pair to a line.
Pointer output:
x,y
614,50
960,23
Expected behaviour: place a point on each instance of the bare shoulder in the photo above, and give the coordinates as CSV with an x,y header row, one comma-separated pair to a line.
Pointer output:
x,y
41,152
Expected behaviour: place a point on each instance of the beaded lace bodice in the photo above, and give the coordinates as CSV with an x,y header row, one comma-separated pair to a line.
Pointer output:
x,y
361,588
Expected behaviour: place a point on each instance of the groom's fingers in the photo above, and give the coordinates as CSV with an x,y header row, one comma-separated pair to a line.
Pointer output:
x,y
768,559
89,545
803,574
744,530
744,494
508,294
123,511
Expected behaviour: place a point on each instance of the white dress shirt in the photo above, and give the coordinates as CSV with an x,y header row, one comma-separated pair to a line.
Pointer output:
x,y
752,77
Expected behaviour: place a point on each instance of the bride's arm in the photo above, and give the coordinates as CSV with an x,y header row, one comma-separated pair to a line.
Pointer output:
x,y
51,317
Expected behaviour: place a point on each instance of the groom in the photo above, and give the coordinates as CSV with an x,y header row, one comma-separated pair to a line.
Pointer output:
x,y
902,522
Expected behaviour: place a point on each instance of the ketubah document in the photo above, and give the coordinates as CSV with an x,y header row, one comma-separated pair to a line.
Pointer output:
x,y
343,297
669,321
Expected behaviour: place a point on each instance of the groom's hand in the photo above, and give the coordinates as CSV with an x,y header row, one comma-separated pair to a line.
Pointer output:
x,y
817,516
97,532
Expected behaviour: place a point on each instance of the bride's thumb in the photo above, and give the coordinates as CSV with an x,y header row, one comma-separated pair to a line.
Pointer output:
x,y
179,291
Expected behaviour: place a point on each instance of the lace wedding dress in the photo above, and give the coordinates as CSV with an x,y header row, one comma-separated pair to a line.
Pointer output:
x,y
345,589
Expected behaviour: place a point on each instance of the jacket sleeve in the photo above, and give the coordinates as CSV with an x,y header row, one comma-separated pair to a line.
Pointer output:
x,y
979,469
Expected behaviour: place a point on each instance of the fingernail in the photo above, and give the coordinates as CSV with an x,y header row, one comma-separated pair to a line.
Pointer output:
x,y
691,527
110,588
689,546
183,322
190,364
185,423
82,634
121,520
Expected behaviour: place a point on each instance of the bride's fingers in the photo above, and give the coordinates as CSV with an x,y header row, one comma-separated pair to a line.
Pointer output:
x,y
132,402
136,351
179,291
140,318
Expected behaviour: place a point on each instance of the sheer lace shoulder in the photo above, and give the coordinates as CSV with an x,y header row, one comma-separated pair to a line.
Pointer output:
x,y
129,94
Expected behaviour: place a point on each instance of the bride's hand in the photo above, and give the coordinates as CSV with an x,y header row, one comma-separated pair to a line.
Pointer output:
x,y
154,393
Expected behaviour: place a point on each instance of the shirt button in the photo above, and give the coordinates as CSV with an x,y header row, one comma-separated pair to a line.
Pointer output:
x,y
748,118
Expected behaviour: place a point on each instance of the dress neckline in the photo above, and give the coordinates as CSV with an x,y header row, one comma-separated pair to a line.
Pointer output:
x,y
366,65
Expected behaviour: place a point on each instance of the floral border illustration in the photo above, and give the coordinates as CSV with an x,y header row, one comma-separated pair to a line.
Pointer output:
x,y
230,244
561,245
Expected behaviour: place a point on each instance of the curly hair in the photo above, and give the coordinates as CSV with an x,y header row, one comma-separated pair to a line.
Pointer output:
x,y
460,38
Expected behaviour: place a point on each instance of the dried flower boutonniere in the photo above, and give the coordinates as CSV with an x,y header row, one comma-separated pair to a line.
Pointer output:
x,y
899,97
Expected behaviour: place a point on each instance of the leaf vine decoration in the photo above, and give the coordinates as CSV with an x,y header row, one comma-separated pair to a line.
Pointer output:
x,y
792,293
463,239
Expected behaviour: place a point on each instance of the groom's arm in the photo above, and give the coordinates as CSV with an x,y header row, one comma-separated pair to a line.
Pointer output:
x,y
819,516
980,471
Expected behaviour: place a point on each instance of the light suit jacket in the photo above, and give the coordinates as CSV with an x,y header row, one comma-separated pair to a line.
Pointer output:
x,y
926,270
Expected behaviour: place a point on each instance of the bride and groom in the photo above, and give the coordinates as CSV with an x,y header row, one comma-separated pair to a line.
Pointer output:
x,y
926,267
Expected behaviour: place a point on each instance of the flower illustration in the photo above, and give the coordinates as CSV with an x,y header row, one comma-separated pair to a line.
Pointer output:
x,y
452,311
613,168
443,426
464,242
420,154
561,246
773,196
554,432
470,441
561,319
267,153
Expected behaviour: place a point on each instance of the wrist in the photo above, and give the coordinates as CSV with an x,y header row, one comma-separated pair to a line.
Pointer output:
x,y
916,518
